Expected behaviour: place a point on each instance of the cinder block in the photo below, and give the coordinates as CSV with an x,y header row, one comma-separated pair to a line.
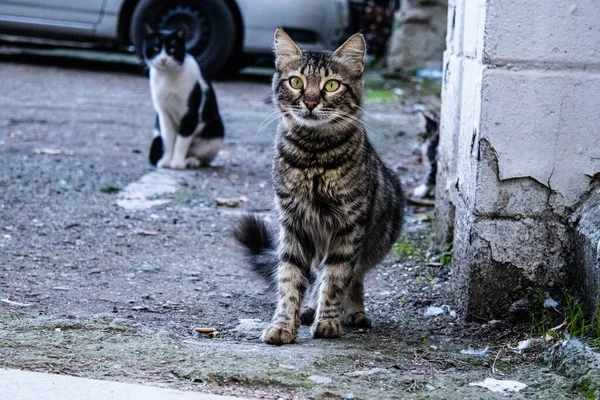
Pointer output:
x,y
543,32
543,125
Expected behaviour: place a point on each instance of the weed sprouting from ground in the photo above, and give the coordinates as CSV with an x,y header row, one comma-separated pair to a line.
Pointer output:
x,y
553,322
575,319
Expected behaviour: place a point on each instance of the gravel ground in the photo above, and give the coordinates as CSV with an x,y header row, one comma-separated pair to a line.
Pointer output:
x,y
97,290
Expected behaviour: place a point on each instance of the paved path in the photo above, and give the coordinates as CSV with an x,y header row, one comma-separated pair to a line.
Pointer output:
x,y
24,385
97,285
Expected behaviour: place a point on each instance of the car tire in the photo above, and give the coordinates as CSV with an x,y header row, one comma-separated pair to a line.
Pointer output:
x,y
210,27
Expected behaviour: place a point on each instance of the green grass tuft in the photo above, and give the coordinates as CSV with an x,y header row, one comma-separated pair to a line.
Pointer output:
x,y
587,389
405,249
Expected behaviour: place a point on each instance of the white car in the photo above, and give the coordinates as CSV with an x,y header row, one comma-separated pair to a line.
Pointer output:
x,y
220,32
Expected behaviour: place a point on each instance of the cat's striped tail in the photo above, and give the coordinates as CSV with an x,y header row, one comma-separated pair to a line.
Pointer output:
x,y
253,234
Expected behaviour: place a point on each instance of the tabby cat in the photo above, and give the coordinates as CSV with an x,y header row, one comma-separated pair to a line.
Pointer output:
x,y
339,207
188,131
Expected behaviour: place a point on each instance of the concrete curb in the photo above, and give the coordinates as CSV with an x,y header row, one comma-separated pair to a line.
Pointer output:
x,y
587,251
25,385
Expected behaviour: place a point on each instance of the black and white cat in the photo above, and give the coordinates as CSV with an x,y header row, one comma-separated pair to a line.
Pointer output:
x,y
188,131
428,148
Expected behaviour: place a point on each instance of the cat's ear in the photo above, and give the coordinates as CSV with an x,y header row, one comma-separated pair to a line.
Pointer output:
x,y
431,117
431,121
352,53
286,50
148,30
181,32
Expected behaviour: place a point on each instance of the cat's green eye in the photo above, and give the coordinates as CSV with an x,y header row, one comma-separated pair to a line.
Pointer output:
x,y
332,85
296,83
156,48
171,50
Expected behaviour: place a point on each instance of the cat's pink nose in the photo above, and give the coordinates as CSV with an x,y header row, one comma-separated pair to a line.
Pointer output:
x,y
311,105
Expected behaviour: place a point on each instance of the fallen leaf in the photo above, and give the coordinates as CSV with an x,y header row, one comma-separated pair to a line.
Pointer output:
x,y
143,232
204,330
228,202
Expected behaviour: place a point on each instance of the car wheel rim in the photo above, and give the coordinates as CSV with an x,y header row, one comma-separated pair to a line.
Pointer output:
x,y
195,22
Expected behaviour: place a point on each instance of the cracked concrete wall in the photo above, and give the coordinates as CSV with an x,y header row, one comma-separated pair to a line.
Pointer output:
x,y
519,144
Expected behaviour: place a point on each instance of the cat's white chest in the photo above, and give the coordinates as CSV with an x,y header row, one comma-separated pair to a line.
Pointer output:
x,y
170,93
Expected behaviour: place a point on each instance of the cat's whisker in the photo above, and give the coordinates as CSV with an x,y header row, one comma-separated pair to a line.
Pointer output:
x,y
357,120
266,122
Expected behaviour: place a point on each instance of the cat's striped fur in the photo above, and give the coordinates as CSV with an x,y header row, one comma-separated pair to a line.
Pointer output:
x,y
339,207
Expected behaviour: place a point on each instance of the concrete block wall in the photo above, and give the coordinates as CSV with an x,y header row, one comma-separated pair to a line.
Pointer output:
x,y
519,145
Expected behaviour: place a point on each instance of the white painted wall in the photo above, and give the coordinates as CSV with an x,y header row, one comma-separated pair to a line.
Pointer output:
x,y
520,140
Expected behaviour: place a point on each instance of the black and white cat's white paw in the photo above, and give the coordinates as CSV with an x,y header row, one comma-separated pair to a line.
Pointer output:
x,y
178,164
423,191
163,163
192,162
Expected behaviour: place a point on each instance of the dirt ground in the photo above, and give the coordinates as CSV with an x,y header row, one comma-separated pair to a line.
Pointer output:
x,y
96,290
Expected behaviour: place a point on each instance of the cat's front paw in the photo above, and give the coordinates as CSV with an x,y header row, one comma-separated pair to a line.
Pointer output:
x,y
178,164
278,334
358,319
327,329
163,163
192,162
